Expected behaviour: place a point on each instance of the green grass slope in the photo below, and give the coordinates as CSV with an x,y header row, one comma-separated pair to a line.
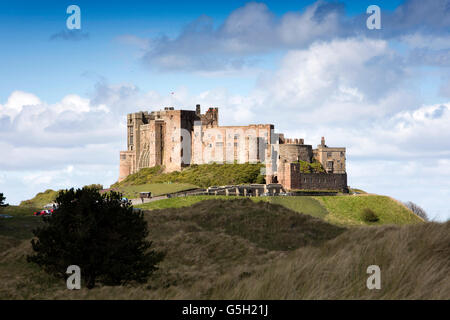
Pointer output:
x,y
204,175
347,210
239,249
306,205
132,191
18,211
17,228
49,196
179,202
40,199
338,210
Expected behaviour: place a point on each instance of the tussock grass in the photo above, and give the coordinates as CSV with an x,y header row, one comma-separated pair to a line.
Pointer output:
x,y
237,249
414,262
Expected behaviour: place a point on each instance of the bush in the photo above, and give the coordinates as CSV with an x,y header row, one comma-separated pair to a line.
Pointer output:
x,y
2,200
368,215
417,210
100,234
95,186
311,167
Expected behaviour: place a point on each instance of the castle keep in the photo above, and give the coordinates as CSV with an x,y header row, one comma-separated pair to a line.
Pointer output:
x,y
176,139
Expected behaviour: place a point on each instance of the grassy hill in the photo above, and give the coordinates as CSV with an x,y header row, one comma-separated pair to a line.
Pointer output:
x,y
204,175
347,210
338,210
48,196
40,199
240,249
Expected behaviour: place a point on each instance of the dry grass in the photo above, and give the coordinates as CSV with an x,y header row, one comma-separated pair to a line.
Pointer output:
x,y
414,262
245,250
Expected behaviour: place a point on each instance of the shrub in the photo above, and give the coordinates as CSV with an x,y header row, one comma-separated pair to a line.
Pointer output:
x,y
95,186
417,210
313,167
2,200
368,215
105,237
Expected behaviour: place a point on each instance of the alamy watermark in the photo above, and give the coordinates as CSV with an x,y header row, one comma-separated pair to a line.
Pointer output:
x,y
374,20
74,20
374,281
74,280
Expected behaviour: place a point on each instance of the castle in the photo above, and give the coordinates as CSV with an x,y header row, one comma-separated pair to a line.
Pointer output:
x,y
176,139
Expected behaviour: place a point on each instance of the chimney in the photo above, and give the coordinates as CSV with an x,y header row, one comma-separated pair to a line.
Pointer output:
x,y
197,110
322,141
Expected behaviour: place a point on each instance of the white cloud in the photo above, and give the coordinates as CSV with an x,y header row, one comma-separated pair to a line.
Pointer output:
x,y
16,101
250,30
426,41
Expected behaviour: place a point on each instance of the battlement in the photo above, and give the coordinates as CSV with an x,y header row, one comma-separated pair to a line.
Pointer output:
x,y
294,141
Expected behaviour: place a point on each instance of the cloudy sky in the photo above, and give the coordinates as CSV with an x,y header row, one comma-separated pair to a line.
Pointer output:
x,y
311,68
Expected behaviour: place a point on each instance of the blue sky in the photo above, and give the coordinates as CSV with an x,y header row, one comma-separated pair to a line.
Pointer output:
x,y
32,62
311,68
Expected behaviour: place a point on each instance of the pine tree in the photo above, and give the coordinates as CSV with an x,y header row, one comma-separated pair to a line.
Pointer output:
x,y
2,200
99,233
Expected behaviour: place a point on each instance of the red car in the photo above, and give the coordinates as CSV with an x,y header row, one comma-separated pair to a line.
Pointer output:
x,y
43,213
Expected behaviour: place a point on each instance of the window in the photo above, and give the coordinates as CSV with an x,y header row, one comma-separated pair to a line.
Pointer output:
x,y
342,154
219,144
123,157
329,154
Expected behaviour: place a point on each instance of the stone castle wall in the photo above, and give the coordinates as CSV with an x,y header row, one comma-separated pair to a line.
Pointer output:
x,y
296,152
293,179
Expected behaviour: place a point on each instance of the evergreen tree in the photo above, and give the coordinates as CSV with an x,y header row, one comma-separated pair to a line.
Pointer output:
x,y
99,233
2,200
